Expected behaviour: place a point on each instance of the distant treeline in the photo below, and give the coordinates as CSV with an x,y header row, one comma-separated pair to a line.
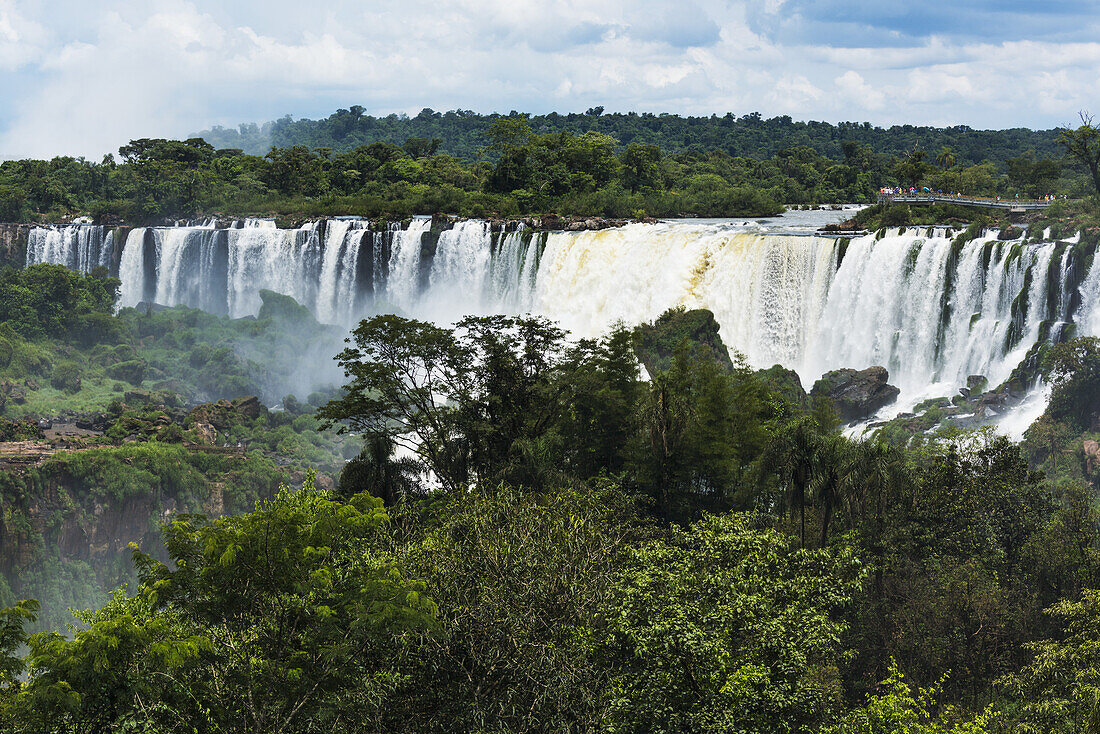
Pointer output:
x,y
463,134
470,165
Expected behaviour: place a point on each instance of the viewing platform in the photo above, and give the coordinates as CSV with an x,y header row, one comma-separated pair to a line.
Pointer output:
x,y
1011,205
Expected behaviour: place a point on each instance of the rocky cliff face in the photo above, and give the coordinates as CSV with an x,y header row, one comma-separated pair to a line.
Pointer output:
x,y
69,517
13,244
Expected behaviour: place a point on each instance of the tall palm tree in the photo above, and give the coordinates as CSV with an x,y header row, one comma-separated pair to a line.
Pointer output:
x,y
377,471
876,470
946,158
790,456
832,476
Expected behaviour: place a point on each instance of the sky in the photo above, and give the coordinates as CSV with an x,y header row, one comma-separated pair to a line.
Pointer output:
x,y
81,77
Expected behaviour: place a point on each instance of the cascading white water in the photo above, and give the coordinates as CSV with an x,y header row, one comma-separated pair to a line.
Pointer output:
x,y
403,274
77,246
930,311
767,291
902,303
513,270
338,265
131,269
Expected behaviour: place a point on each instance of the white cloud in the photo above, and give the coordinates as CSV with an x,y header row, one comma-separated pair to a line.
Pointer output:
x,y
93,75
21,39
795,92
854,90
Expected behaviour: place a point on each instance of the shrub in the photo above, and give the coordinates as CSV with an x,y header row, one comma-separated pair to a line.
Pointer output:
x,y
66,377
132,371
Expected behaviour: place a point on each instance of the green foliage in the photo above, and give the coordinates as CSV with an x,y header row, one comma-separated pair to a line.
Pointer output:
x,y
727,628
1059,690
377,472
64,520
957,563
700,428
13,619
901,710
22,430
523,583
1083,145
51,300
270,621
563,595
211,357
470,401
1073,371
462,133
695,330
462,163
131,371
66,377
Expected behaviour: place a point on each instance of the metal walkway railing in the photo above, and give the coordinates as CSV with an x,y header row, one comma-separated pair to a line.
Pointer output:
x,y
1016,205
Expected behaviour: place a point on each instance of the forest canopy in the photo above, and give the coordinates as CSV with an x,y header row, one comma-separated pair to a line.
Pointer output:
x,y
459,163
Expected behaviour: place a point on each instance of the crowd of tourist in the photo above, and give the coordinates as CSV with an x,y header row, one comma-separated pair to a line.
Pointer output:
x,y
912,191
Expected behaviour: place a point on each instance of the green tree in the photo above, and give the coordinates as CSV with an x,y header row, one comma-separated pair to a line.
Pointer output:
x,y
1058,692
295,170
376,471
469,401
1032,175
1073,371
641,167
281,619
13,202
523,582
13,635
911,167
724,627
790,458
898,709
959,590
946,158
1083,144
600,388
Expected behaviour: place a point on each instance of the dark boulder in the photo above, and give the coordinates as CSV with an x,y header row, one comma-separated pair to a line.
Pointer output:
x,y
857,394
249,406
94,421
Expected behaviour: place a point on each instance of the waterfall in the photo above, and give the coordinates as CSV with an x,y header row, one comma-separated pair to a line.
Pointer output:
x,y
131,269
767,291
77,246
932,311
403,279
928,310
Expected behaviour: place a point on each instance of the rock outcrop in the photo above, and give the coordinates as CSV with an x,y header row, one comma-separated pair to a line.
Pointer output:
x,y
786,384
697,330
13,244
857,394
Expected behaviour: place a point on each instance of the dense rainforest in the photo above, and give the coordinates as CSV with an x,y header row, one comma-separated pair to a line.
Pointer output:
x,y
462,133
490,526
528,536
617,166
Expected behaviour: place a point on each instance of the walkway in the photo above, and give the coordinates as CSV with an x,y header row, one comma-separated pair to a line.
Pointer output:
x,y
1012,205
